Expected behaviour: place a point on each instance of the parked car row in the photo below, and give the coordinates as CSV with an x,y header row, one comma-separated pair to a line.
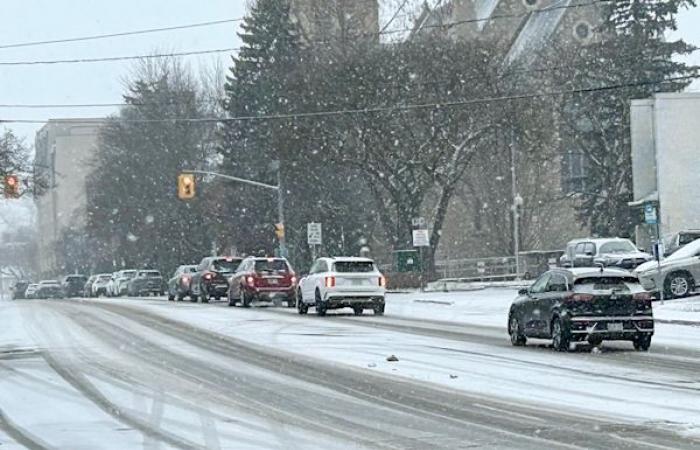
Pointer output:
x,y
45,289
124,282
332,283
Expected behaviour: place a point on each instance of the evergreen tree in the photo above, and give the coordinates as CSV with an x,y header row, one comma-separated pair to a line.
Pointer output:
x,y
632,54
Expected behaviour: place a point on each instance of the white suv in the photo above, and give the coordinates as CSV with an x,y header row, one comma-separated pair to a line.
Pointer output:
x,y
120,281
347,282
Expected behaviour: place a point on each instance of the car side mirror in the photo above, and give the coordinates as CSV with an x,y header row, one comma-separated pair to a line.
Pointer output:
x,y
523,291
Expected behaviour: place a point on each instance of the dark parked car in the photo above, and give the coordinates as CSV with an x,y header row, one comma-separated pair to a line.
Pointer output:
x,y
263,279
609,252
146,282
212,277
49,289
73,285
584,304
19,289
180,285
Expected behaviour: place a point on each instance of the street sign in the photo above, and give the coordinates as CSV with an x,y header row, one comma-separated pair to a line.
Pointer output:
x,y
314,234
418,222
650,216
421,238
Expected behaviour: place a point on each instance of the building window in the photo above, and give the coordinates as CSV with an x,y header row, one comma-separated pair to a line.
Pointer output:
x,y
574,172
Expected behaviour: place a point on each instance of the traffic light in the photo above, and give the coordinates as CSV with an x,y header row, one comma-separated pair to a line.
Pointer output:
x,y
11,186
186,186
279,230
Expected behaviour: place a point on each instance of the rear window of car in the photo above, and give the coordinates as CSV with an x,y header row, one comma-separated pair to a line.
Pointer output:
x,y
76,280
149,273
190,269
225,265
607,285
274,265
353,266
104,277
687,238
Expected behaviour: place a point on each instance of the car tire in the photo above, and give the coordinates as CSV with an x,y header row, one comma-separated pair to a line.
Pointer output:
x,y
560,335
678,285
517,338
180,297
320,305
193,298
171,297
203,294
358,310
642,342
302,308
379,310
245,299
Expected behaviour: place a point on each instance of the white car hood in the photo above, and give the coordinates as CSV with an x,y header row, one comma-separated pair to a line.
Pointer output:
x,y
653,265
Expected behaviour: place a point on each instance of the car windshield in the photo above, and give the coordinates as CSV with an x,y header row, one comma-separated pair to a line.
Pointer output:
x,y
275,265
617,247
225,265
687,251
601,285
149,273
353,266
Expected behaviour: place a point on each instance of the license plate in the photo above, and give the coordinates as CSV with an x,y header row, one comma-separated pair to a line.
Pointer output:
x,y
273,281
358,282
222,286
615,327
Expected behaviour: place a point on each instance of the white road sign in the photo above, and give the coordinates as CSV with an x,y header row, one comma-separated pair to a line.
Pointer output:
x,y
421,238
314,234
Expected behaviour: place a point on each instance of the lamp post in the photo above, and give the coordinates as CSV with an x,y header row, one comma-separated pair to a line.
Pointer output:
x,y
517,204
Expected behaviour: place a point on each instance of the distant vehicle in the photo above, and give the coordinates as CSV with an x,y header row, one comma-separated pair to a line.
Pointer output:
x,y
30,293
335,283
610,252
72,285
49,289
120,282
99,285
212,277
87,288
583,304
146,282
180,285
263,280
19,290
680,239
678,274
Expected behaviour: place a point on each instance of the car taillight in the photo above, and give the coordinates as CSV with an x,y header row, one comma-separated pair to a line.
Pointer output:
x,y
251,281
207,276
293,280
330,282
382,281
580,297
186,279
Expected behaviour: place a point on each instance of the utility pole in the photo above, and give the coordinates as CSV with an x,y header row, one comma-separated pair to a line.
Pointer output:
x,y
517,203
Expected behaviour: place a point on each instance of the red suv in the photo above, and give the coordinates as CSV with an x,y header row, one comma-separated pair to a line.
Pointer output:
x,y
263,279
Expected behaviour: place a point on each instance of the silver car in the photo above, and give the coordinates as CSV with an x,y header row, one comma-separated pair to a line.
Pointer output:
x,y
677,274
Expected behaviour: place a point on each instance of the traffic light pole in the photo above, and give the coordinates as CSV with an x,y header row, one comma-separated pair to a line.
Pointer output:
x,y
280,198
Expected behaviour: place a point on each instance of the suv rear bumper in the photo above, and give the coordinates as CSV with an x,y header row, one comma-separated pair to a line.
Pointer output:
x,y
336,300
622,328
270,294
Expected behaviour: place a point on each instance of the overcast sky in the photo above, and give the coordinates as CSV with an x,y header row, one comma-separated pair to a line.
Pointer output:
x,y
32,20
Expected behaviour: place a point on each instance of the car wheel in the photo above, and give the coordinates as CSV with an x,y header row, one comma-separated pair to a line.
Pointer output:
x,y
171,297
320,305
217,298
560,336
379,310
193,298
358,310
245,299
302,308
180,297
678,285
203,294
517,338
642,342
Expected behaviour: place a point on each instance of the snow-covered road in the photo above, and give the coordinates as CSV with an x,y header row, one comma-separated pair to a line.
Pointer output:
x,y
133,373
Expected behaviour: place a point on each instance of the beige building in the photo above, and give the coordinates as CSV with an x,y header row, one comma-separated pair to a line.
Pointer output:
x,y
63,151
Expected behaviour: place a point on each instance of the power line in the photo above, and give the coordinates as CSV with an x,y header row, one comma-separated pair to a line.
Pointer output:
x,y
223,50
116,58
122,33
378,109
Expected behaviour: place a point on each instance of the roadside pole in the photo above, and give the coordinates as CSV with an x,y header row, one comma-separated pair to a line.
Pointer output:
x,y
651,217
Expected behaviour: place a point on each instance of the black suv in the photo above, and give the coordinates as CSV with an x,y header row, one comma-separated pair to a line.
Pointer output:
x,y
73,285
212,277
585,304
146,282
19,289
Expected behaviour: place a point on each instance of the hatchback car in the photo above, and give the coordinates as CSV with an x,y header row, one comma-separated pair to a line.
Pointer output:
x,y
263,280
335,283
211,279
575,305
49,289
180,285
146,282
99,285
73,285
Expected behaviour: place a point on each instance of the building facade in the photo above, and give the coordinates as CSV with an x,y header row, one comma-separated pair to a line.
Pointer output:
x,y
64,149
665,153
